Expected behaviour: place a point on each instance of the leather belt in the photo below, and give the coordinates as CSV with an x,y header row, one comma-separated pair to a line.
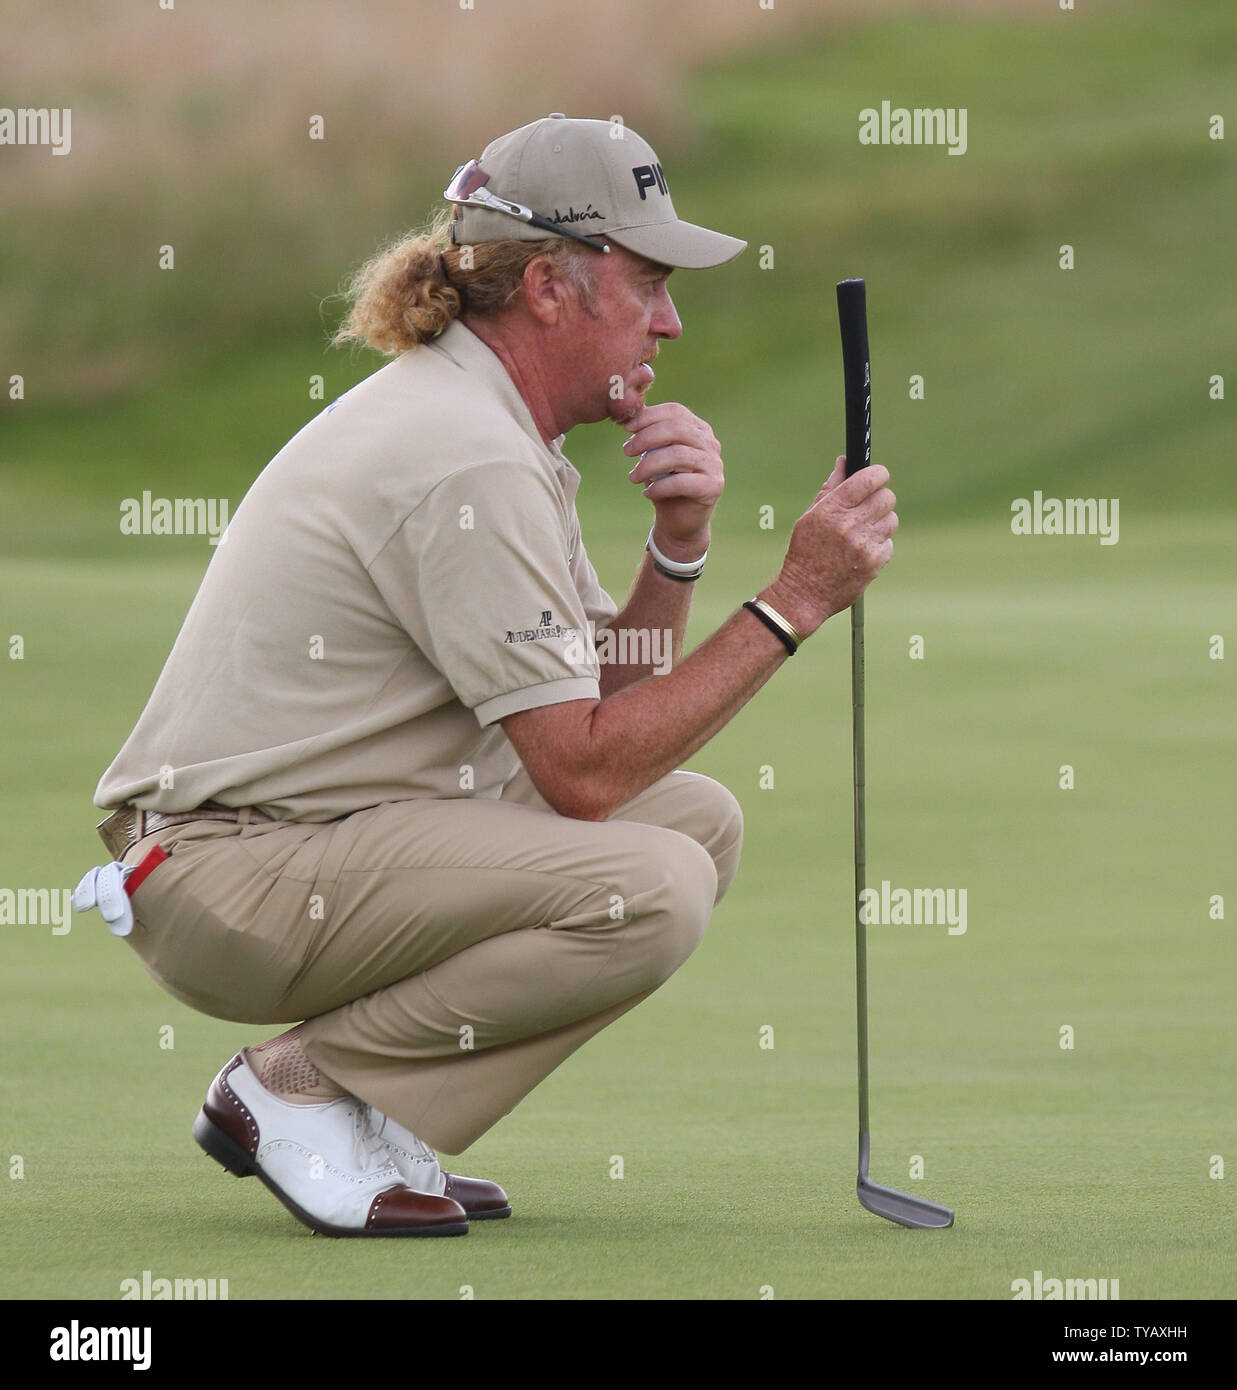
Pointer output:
x,y
124,828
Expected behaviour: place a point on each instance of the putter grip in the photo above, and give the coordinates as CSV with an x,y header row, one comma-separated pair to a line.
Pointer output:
x,y
856,373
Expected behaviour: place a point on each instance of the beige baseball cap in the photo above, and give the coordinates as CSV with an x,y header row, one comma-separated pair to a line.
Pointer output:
x,y
598,179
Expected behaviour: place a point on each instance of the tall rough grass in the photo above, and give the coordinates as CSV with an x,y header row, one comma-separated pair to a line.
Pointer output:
x,y
191,129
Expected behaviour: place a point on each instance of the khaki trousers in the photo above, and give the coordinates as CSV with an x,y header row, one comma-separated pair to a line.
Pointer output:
x,y
446,955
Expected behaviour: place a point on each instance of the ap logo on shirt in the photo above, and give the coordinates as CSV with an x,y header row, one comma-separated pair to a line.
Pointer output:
x,y
546,629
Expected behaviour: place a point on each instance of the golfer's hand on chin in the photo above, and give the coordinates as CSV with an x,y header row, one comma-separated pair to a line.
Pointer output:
x,y
679,468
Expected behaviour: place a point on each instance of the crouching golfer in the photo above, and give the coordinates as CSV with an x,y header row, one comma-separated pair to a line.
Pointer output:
x,y
404,804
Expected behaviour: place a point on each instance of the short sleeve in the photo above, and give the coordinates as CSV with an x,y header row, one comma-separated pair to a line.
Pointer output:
x,y
480,576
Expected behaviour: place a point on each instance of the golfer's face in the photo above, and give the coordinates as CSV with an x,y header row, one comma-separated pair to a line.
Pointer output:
x,y
634,310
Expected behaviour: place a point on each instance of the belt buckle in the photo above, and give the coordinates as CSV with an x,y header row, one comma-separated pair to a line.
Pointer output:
x,y
117,831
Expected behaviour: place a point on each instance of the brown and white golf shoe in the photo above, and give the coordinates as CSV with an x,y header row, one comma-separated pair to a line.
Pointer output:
x,y
325,1163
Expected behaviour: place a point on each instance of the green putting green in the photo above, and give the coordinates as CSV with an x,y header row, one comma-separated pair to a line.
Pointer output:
x,y
1086,908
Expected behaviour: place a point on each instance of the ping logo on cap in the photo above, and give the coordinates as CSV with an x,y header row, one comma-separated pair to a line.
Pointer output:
x,y
649,176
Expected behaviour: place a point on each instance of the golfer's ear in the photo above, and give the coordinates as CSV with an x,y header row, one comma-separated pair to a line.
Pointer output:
x,y
545,289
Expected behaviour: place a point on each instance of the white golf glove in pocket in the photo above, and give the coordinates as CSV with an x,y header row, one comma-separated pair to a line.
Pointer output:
x,y
104,888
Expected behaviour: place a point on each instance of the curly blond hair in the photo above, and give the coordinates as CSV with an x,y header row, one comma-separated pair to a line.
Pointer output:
x,y
411,290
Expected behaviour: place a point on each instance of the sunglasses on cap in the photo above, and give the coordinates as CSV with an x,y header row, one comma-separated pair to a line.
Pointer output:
x,y
467,187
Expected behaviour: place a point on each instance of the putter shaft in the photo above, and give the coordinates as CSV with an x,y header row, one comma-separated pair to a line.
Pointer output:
x,y
861,935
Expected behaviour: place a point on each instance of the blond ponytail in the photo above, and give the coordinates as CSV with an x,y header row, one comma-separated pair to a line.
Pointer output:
x,y
411,290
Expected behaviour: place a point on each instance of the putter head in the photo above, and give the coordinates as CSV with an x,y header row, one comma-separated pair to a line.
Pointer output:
x,y
898,1206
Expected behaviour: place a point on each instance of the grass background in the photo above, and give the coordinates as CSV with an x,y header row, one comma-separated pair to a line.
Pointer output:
x,y
1086,907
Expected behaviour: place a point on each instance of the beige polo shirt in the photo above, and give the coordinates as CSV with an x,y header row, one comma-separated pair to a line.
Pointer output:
x,y
403,574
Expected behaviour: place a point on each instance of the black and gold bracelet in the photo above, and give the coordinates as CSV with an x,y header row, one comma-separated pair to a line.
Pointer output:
x,y
777,625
